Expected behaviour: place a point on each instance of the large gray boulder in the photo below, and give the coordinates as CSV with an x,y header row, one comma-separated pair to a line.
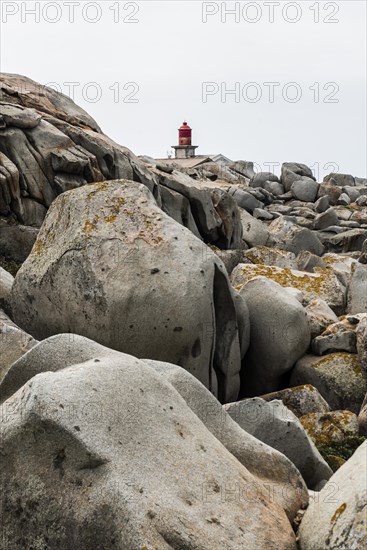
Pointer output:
x,y
245,200
243,167
342,180
330,190
255,233
263,461
14,343
326,219
338,377
348,241
363,257
337,517
362,417
304,189
294,171
261,177
49,146
280,335
272,468
214,212
357,289
6,283
295,238
277,426
51,355
108,455
323,284
265,255
110,265
340,336
300,400
320,316
361,342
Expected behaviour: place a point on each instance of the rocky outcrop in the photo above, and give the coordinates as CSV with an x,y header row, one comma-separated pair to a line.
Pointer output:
x,y
340,336
338,377
336,518
280,335
300,400
75,469
263,461
272,468
278,427
127,295
49,145
322,284
295,238
6,283
14,343
361,343
357,289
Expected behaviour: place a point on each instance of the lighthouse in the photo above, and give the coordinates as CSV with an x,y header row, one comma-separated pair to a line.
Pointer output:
x,y
184,149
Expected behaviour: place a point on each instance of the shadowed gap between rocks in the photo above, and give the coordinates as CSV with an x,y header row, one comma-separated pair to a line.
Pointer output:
x,y
227,359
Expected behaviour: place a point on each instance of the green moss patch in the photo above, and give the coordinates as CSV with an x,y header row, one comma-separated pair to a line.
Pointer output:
x,y
342,451
10,266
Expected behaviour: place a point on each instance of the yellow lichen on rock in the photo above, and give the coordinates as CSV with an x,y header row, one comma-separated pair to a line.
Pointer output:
x,y
321,284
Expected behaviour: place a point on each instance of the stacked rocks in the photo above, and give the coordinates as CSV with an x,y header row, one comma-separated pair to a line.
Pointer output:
x,y
183,353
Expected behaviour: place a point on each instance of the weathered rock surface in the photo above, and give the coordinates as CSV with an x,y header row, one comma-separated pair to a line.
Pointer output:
x,y
280,335
341,266
337,518
295,238
338,377
326,219
49,145
304,189
340,179
320,316
330,427
347,241
14,343
306,261
278,427
245,200
6,283
357,289
361,336
322,284
260,178
331,191
51,355
80,430
64,350
229,258
340,336
255,233
300,400
362,417
271,256
129,287
363,256
293,171
261,460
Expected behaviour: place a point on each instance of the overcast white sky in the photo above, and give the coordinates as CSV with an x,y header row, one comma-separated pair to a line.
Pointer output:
x,y
170,53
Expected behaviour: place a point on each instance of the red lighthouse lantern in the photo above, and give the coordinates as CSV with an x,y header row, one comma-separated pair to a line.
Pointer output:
x,y
184,134
184,149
